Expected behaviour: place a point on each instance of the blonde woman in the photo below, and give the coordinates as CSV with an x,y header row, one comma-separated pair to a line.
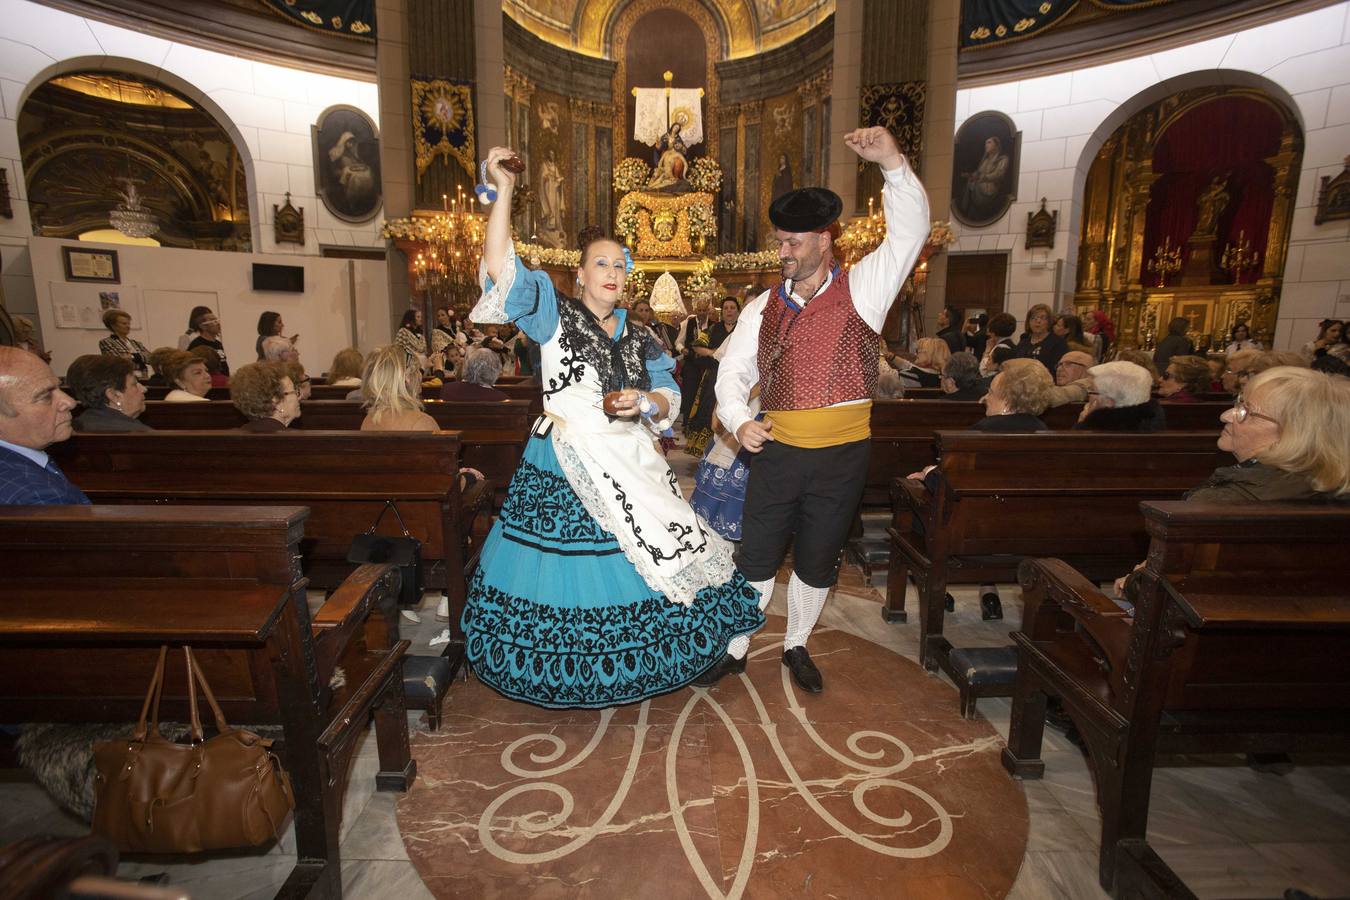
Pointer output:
x,y
930,357
391,384
345,370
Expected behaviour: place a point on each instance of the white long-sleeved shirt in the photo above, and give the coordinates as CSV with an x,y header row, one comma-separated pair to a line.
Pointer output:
x,y
874,282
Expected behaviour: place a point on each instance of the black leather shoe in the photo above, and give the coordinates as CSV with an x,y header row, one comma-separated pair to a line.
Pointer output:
x,y
727,665
990,606
804,672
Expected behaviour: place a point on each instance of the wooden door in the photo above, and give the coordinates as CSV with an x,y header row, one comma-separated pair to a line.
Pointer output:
x,y
977,281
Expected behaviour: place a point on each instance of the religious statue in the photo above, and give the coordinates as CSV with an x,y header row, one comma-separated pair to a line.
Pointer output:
x,y
552,203
672,162
1210,206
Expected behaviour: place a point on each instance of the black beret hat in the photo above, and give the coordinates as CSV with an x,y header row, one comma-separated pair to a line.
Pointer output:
x,y
806,209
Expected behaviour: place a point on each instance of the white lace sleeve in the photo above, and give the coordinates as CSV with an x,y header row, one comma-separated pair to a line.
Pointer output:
x,y
491,307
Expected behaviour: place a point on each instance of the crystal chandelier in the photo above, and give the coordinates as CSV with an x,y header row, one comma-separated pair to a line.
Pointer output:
x,y
130,217
446,266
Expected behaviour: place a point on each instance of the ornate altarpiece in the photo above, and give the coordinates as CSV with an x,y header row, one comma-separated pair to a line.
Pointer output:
x,y
1113,261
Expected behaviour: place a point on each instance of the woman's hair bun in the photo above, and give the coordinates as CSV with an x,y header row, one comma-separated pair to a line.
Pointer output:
x,y
589,235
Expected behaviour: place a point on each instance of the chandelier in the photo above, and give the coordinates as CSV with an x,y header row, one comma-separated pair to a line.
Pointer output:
x,y
448,246
130,217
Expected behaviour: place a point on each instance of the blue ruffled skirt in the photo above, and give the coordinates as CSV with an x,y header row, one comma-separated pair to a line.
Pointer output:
x,y
558,617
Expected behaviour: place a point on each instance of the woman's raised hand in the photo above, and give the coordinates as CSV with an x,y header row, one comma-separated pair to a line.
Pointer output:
x,y
504,176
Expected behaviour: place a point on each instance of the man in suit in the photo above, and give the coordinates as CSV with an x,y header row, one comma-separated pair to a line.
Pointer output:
x,y
34,414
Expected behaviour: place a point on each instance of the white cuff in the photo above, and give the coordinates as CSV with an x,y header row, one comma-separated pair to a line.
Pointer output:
x,y
491,307
672,408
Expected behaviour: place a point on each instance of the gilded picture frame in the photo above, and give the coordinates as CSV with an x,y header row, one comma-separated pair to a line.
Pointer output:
x,y
347,164
988,155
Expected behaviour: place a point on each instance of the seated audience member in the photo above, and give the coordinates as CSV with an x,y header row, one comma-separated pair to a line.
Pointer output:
x,y
1269,360
1142,358
1235,370
34,414
930,355
1331,365
480,371
949,331
1071,378
1175,344
265,393
391,385
186,374
279,349
345,370
112,397
1240,338
961,379
1186,378
1217,364
1002,354
889,386
1001,328
1101,330
1070,327
25,339
119,341
1039,341
1121,399
158,357
1330,339
977,335
1288,431
296,373
214,366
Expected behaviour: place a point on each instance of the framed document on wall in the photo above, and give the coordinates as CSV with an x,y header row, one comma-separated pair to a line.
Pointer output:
x,y
91,265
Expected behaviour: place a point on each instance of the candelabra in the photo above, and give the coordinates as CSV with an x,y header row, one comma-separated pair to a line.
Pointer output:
x,y
1238,258
446,267
863,236
1166,261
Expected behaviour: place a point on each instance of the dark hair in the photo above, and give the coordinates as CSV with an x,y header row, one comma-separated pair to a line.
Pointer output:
x,y
1332,365
1002,324
209,356
409,320
591,234
1325,325
1232,332
726,300
195,317
1002,353
982,320
89,378
1075,328
953,315
267,323
1179,325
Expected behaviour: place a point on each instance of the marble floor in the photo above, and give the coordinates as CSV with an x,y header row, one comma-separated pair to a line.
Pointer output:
x,y
1227,830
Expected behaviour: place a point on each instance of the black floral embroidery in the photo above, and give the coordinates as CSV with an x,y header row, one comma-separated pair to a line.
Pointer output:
x,y
617,364
601,656
675,529
542,507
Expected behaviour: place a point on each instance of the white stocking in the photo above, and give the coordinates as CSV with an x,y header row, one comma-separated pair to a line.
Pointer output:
x,y
740,644
804,606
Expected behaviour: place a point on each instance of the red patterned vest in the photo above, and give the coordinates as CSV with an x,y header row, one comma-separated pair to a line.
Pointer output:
x,y
817,355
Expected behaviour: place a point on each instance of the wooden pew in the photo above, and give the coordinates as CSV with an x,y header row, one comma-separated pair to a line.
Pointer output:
x,y
492,434
92,592
1002,497
1240,643
902,433
343,477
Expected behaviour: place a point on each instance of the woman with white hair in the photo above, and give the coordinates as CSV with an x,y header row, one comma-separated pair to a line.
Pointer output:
x,y
1121,399
477,375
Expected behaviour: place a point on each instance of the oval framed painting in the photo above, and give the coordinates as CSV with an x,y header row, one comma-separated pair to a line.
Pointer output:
x,y
984,172
347,164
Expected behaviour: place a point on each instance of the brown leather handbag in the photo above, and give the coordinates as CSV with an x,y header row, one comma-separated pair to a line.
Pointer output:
x,y
156,796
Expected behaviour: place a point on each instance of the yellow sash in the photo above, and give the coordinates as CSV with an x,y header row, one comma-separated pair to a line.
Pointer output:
x,y
827,426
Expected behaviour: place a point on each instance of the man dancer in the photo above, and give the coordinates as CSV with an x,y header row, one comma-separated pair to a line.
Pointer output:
x,y
812,344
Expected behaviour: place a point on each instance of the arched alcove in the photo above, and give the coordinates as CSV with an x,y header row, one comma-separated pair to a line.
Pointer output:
x,y
86,123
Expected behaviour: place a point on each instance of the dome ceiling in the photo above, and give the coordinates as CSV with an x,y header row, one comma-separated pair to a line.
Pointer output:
x,y
750,26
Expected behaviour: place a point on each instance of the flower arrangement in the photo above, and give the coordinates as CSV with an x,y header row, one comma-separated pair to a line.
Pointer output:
x,y
941,235
637,287
537,254
626,222
630,175
705,175
701,285
732,262
701,222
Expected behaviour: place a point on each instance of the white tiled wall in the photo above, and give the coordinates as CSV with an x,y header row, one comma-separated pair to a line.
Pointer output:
x,y
268,109
1065,118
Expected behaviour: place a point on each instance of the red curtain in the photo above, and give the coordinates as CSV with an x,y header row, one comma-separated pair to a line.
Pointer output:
x,y
1227,138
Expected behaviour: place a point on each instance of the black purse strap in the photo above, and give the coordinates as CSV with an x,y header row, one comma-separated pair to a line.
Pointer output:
x,y
388,505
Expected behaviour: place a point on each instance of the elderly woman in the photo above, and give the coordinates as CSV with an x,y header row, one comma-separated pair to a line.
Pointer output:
x,y
1121,400
961,378
1038,341
1186,378
278,349
1145,361
1262,361
930,357
120,342
296,373
186,374
391,385
264,393
478,373
345,370
214,367
107,388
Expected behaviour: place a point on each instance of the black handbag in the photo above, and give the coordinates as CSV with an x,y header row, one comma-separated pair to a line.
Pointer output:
x,y
404,552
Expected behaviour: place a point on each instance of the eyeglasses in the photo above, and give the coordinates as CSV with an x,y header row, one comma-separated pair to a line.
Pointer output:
x,y
290,393
1172,376
1241,412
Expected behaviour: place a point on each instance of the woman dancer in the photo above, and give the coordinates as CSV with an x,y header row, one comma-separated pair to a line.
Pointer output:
x,y
598,585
